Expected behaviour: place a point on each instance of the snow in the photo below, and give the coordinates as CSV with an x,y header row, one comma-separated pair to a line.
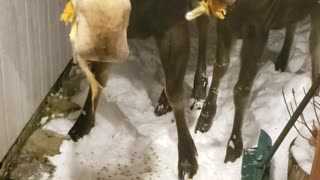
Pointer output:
x,y
303,153
43,175
44,120
130,142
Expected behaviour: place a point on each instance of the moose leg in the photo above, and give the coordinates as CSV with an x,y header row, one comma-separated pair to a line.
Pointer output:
x,y
163,105
251,55
283,58
174,53
224,45
314,45
86,119
200,79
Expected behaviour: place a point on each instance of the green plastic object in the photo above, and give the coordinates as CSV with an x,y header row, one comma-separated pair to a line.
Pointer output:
x,y
256,161
252,166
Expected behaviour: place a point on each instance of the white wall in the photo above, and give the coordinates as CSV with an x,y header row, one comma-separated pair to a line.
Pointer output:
x,y
34,50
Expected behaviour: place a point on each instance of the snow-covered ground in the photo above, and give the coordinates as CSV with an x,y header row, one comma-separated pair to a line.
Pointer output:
x,y
130,142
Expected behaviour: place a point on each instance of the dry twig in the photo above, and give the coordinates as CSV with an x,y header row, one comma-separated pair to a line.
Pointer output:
x,y
291,108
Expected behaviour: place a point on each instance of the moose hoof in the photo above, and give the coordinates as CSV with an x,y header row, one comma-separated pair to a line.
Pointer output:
x,y
203,124
162,109
199,90
234,149
197,104
280,65
82,127
187,165
205,119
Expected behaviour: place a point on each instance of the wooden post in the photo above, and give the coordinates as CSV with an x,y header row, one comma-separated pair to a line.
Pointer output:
x,y
315,172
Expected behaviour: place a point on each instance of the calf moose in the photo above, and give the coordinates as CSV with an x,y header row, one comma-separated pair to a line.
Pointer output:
x,y
251,21
165,21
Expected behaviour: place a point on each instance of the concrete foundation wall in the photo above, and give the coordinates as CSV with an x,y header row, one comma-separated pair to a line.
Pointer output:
x,y
34,49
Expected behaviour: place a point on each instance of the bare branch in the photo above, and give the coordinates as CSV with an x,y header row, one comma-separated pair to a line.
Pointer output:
x,y
292,109
315,111
301,116
285,101
317,104
300,133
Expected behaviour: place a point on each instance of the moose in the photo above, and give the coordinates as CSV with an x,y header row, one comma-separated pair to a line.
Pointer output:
x,y
101,42
251,21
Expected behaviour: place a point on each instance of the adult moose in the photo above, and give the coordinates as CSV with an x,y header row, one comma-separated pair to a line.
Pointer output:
x,y
251,21
165,21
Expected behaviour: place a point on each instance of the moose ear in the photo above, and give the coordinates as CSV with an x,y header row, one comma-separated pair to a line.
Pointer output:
x,y
226,2
217,8
68,15
212,7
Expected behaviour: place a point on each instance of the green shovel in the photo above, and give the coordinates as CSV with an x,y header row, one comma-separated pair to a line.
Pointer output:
x,y
256,161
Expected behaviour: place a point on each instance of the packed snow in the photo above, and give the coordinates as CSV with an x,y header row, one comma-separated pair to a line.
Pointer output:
x,y
130,142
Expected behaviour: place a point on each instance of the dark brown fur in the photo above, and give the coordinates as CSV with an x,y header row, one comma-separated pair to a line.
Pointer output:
x,y
251,21
164,20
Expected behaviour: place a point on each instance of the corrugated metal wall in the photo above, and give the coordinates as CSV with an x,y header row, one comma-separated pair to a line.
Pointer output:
x,y
34,50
